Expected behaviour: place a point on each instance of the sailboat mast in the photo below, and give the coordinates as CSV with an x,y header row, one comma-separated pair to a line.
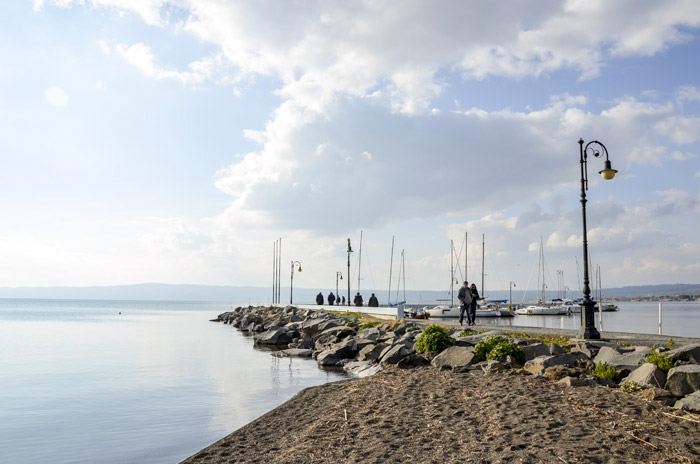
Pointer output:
x,y
403,267
483,253
542,261
452,273
466,250
359,264
391,265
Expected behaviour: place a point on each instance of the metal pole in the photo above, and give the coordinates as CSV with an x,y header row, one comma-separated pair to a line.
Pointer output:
x,y
279,272
274,271
348,274
660,311
483,253
391,267
588,330
291,284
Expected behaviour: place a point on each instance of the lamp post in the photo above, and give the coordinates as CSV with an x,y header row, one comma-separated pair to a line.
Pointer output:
x,y
510,301
291,281
338,275
349,251
588,330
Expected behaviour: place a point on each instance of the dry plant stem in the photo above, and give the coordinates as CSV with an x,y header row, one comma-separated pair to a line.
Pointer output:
x,y
681,417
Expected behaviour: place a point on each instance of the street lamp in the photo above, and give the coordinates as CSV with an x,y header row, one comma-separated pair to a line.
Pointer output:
x,y
338,275
588,329
510,302
291,282
348,274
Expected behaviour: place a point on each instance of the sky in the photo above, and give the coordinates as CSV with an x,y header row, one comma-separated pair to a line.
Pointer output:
x,y
176,141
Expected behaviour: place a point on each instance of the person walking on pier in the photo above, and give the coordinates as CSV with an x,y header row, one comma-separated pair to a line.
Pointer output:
x,y
465,297
373,301
319,298
475,299
331,298
358,300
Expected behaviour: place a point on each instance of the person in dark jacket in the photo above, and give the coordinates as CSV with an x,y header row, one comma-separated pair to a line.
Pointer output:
x,y
373,302
358,300
331,298
475,298
465,297
319,298
343,301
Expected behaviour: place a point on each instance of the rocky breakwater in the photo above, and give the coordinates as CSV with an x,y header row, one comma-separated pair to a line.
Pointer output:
x,y
659,374
334,341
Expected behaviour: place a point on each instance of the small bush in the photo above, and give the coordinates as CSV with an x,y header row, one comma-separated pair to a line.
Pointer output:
x,y
603,371
466,333
543,338
497,347
631,387
433,338
661,360
368,325
670,344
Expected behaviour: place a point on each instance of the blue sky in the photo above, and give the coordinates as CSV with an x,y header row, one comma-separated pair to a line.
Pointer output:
x,y
156,141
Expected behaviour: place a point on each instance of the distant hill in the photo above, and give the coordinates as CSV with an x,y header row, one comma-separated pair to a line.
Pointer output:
x,y
255,295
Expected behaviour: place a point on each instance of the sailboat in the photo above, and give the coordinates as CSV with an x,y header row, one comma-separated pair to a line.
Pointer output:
x,y
487,308
541,308
445,310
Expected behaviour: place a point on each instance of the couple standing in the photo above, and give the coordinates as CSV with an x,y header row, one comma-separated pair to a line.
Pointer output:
x,y
468,296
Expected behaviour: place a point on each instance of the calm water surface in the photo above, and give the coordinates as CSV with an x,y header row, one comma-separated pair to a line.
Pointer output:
x,y
678,319
81,383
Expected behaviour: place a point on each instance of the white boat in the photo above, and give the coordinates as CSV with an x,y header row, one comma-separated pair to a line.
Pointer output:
x,y
568,305
541,310
488,309
442,311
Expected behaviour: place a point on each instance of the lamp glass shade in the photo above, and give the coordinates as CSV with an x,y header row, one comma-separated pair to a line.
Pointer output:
x,y
608,173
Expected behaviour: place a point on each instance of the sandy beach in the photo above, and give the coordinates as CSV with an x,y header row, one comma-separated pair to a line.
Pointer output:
x,y
430,416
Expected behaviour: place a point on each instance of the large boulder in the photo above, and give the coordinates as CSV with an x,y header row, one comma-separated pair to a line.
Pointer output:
x,y
371,333
456,358
372,352
412,360
591,348
314,326
395,354
689,403
339,331
273,336
683,380
647,375
627,360
538,365
541,349
687,353
362,368
337,353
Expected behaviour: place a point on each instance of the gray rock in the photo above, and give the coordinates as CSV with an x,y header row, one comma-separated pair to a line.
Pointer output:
x,y
557,373
659,395
689,403
362,368
363,342
371,333
337,353
492,367
683,380
412,360
687,353
274,336
592,348
628,360
538,365
474,339
647,375
457,358
541,349
339,331
576,382
372,353
395,354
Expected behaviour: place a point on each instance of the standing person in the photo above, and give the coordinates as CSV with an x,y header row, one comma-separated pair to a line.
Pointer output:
x,y
475,298
373,301
358,300
343,300
331,298
465,296
319,298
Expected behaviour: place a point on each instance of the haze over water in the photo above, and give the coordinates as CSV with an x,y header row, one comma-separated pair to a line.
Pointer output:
x,y
81,383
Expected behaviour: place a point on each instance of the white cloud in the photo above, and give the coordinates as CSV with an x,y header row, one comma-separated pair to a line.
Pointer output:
x,y
688,93
56,96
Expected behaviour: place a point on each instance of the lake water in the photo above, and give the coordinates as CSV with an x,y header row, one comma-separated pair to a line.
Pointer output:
x,y
678,319
81,383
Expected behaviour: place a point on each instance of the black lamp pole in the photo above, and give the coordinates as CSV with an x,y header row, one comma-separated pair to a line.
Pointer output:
x,y
588,330
348,274
291,280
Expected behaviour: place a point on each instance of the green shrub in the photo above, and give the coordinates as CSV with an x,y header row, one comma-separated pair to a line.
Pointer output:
x,y
466,333
368,325
543,338
670,344
661,360
497,347
433,338
631,387
603,371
